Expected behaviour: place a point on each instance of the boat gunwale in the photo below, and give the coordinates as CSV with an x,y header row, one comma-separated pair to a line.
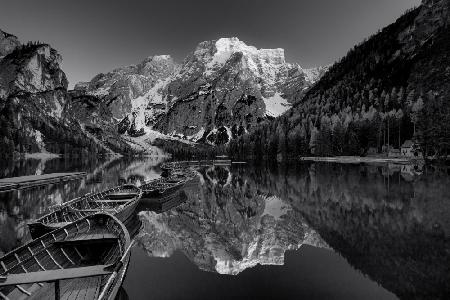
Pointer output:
x,y
68,204
63,228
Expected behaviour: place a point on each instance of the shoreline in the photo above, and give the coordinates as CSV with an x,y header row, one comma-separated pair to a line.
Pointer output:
x,y
361,159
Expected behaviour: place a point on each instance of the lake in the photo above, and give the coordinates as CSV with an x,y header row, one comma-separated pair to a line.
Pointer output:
x,y
306,230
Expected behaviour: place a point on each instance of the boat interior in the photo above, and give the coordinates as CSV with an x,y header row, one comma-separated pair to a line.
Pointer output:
x,y
66,256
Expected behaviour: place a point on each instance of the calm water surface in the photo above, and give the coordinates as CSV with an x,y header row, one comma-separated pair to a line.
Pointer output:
x,y
310,231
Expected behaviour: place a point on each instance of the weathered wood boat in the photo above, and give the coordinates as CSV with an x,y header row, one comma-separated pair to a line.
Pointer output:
x,y
127,191
121,206
163,187
86,259
172,168
162,204
134,224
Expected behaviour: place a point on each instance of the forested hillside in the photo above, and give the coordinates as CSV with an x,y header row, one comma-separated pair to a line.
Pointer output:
x,y
391,88
39,115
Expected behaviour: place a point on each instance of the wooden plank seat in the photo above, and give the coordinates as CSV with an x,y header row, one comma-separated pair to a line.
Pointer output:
x,y
55,225
54,275
71,289
60,224
115,201
122,195
89,238
94,210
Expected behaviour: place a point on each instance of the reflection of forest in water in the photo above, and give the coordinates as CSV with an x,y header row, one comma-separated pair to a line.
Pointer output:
x,y
390,222
18,207
387,222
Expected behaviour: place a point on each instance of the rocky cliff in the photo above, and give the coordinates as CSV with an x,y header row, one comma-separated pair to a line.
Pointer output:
x,y
432,17
8,43
225,87
137,92
34,69
37,113
221,89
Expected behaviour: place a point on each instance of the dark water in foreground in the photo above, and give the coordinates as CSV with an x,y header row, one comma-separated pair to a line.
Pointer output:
x,y
310,231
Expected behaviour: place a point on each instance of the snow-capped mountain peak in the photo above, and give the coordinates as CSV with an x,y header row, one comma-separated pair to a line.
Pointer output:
x,y
222,89
261,62
226,47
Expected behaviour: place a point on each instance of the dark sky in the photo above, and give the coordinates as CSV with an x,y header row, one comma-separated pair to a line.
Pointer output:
x,y
96,36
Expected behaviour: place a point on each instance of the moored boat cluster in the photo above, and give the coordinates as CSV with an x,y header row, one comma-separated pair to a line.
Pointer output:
x,y
81,249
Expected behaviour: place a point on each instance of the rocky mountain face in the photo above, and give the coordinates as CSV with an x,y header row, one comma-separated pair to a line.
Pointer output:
x,y
34,69
226,225
134,94
220,90
225,87
8,43
36,110
389,89
433,15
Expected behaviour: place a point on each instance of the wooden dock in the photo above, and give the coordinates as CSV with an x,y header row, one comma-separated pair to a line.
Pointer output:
x,y
15,183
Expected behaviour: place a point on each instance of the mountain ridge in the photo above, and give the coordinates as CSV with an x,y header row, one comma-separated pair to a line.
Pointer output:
x,y
34,104
125,110
199,74
385,91
226,92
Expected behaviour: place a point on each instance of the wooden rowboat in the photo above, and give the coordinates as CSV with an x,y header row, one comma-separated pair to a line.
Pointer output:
x,y
162,204
86,259
86,205
127,191
163,187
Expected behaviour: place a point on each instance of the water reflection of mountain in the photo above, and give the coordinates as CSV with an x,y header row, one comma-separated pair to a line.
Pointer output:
x,y
391,223
395,230
18,207
227,225
392,227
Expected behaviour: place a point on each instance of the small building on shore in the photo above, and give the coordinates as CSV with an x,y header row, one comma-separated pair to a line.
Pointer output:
x,y
395,153
372,151
410,149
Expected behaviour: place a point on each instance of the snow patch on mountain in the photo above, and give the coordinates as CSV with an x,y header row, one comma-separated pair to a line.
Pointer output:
x,y
195,137
145,107
154,95
276,105
143,144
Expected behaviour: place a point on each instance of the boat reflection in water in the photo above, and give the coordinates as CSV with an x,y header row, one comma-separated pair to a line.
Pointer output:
x,y
17,208
390,222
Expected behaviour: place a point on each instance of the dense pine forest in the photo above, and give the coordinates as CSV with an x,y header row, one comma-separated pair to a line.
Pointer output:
x,y
381,93
59,139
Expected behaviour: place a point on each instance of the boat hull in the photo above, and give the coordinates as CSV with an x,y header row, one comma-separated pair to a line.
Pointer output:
x,y
162,191
163,204
91,254
38,229
112,295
